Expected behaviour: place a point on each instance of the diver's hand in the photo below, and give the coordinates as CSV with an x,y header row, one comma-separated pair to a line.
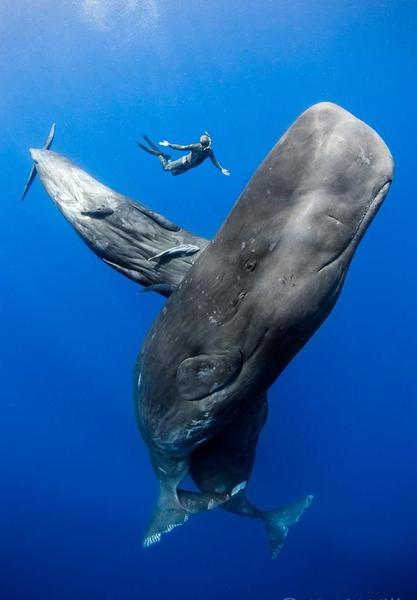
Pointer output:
x,y
164,143
226,172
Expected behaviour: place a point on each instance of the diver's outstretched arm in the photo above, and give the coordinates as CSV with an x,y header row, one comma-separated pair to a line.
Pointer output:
x,y
178,146
218,165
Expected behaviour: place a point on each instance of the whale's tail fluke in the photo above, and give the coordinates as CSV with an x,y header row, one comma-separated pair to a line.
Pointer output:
x,y
168,514
32,174
174,508
278,522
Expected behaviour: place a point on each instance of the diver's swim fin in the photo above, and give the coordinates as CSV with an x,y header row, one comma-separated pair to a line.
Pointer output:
x,y
150,142
47,144
148,150
278,522
154,152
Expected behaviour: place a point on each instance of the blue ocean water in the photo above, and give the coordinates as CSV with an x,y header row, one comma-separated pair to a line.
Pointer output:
x,y
76,485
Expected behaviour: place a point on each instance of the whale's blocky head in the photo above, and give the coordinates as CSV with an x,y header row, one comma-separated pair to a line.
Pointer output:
x,y
72,189
328,177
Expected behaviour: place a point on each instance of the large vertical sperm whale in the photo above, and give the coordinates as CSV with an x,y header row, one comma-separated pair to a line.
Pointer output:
x,y
240,307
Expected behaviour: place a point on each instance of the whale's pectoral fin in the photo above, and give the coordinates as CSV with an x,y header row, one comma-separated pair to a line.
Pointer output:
x,y
278,522
175,252
174,508
200,376
33,172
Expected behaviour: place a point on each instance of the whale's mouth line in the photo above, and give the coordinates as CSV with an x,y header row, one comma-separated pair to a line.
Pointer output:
x,y
358,230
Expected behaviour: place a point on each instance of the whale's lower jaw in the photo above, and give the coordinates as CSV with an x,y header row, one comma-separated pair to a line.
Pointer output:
x,y
369,213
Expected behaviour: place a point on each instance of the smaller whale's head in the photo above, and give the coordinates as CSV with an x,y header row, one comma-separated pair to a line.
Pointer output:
x,y
73,190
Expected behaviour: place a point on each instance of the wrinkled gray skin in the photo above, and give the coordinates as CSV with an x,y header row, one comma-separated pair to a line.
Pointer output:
x,y
261,288
123,233
252,299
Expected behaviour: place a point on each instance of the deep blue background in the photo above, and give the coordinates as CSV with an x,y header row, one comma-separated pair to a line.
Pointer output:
x,y
76,485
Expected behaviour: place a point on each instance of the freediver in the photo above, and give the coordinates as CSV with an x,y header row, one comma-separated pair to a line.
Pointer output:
x,y
196,155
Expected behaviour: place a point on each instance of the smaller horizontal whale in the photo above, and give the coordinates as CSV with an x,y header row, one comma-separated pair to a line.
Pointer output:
x,y
125,243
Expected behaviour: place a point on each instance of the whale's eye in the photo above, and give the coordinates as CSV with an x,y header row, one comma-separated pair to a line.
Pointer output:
x,y
200,376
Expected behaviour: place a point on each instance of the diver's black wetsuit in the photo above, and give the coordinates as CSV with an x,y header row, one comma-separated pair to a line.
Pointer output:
x,y
196,155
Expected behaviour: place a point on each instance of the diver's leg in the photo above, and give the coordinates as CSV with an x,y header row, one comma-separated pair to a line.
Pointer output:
x,y
176,167
165,162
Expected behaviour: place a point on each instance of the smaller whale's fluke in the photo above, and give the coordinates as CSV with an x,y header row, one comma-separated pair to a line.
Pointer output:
x,y
32,174
278,522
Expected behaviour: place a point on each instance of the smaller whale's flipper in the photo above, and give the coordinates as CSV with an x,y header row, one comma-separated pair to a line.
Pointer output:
x,y
50,137
174,508
29,181
32,174
278,522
